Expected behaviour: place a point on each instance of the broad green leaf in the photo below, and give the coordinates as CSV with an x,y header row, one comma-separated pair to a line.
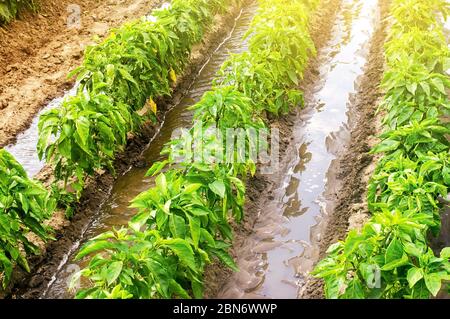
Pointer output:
x,y
177,226
218,187
445,253
140,219
194,226
192,188
433,283
178,289
83,128
183,250
386,146
354,290
225,258
94,246
414,275
394,251
113,271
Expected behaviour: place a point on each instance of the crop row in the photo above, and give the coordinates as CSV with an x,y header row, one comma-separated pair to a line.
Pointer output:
x,y
10,8
183,222
24,205
136,63
391,257
119,80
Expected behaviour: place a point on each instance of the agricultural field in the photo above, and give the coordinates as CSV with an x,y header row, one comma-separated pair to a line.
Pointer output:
x,y
224,149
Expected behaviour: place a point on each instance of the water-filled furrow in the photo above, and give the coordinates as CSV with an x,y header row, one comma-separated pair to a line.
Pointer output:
x,y
115,211
270,260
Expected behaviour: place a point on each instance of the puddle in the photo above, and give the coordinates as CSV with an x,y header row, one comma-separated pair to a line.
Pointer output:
x,y
269,260
115,211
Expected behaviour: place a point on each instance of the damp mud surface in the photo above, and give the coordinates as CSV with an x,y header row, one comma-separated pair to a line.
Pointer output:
x,y
105,203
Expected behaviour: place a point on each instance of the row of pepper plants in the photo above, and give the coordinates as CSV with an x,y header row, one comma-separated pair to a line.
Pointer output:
x,y
9,9
183,221
391,256
118,80
24,206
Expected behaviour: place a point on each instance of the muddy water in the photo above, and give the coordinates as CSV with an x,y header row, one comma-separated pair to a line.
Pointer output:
x,y
272,260
115,211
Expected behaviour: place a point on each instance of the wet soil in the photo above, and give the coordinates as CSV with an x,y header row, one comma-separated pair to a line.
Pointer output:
x,y
39,50
354,165
99,187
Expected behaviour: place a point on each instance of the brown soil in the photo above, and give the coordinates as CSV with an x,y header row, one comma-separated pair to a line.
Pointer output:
x,y
355,165
38,51
45,265
259,188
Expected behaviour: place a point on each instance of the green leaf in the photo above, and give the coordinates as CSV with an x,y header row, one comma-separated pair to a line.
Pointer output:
x,y
445,253
386,146
420,291
225,258
113,271
426,87
197,289
354,290
218,187
293,76
83,127
414,275
433,283
177,226
413,249
394,251
7,268
178,289
194,226
412,87
140,219
126,75
94,246
396,263
183,250
156,168
161,182
192,188
439,84
334,248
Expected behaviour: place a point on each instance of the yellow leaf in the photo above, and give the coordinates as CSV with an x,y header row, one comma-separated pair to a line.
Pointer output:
x,y
152,105
173,76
